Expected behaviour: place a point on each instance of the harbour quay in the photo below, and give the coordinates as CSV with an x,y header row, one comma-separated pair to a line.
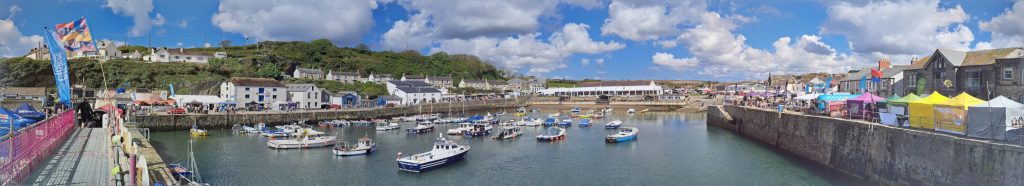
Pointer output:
x,y
883,154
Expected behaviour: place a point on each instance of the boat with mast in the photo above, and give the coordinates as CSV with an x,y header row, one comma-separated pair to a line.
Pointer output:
x,y
307,138
365,145
182,172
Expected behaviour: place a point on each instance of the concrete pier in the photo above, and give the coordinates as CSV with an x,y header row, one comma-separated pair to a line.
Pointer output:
x,y
888,155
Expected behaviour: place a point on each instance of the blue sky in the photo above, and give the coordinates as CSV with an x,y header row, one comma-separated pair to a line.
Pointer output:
x,y
575,39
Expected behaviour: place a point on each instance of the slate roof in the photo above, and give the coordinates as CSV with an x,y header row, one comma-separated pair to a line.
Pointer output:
x,y
23,91
972,58
340,73
399,83
419,90
300,87
497,82
310,71
255,82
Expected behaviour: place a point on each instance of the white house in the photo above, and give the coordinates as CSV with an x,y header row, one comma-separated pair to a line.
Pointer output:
x,y
393,85
477,84
253,91
418,95
107,50
440,81
308,73
624,88
497,85
179,55
413,78
344,77
378,78
306,96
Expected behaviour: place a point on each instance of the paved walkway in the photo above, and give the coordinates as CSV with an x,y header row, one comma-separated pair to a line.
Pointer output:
x,y
81,160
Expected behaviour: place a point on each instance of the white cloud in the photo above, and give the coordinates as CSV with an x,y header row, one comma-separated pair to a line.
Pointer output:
x,y
724,53
670,61
1007,28
12,42
650,20
341,21
902,27
585,4
585,62
139,11
526,51
13,11
183,23
599,61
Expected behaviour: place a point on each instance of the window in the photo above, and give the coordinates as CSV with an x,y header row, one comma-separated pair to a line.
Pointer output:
x,y
188,58
275,96
247,96
973,82
246,88
912,80
1007,73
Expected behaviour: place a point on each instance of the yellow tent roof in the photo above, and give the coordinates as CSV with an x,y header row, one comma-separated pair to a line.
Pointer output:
x,y
962,100
934,98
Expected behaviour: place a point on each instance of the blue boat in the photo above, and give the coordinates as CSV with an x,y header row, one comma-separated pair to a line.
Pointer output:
x,y
585,123
444,153
625,134
565,122
550,122
575,110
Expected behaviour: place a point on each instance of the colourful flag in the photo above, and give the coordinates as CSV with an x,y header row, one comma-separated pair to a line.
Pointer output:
x,y
75,36
862,84
876,76
58,60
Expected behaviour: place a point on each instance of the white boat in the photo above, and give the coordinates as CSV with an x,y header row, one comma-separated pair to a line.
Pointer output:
x,y
625,134
552,134
631,111
308,138
281,131
613,124
509,133
388,126
463,127
535,122
421,128
444,153
365,145
555,115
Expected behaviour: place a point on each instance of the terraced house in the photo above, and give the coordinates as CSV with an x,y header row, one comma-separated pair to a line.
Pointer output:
x,y
983,73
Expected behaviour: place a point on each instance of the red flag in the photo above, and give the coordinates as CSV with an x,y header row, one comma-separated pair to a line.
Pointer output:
x,y
876,73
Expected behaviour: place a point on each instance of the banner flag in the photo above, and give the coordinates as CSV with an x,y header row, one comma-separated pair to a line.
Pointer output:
x,y
861,89
59,62
75,36
876,76
171,87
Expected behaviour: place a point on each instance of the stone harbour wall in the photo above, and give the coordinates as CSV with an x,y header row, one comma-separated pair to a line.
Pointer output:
x,y
884,154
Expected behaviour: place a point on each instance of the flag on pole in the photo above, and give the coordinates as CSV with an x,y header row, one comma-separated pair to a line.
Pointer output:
x,y
171,87
75,36
862,81
876,76
59,63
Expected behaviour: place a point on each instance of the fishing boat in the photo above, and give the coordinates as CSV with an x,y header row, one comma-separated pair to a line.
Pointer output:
x,y
565,122
585,123
444,153
625,134
552,134
463,127
479,129
509,133
281,131
631,111
308,138
385,126
421,128
613,124
365,145
550,122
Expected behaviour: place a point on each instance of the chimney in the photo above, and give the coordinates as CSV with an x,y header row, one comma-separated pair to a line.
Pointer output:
x,y
884,64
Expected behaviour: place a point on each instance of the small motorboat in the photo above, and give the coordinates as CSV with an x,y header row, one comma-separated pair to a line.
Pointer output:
x,y
535,110
625,134
365,145
444,153
479,129
384,126
631,111
535,122
281,131
308,138
613,124
550,122
555,115
575,110
585,123
421,128
463,127
552,134
509,133
565,122
499,114
599,115
195,132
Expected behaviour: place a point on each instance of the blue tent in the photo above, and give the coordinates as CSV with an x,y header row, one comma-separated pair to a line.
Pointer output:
x,y
824,99
27,111
6,117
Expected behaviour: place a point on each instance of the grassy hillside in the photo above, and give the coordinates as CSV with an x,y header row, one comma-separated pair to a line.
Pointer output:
x,y
270,60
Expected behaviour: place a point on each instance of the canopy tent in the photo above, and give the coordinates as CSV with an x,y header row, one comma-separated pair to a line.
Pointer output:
x,y
149,102
203,99
899,106
858,106
922,111
8,118
886,114
995,118
833,102
807,96
951,116
28,111
109,107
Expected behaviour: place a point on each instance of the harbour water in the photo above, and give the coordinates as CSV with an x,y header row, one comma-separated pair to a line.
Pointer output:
x,y
672,149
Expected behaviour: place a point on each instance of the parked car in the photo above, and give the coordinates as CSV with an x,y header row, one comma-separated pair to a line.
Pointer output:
x,y
178,110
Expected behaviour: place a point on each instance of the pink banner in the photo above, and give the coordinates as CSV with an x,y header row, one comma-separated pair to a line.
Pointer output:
x,y
25,151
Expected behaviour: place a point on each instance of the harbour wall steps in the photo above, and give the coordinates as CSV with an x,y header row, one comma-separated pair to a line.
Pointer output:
x,y
884,154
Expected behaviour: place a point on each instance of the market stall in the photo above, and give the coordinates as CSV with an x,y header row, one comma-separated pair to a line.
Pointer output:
x,y
995,119
922,111
951,116
863,106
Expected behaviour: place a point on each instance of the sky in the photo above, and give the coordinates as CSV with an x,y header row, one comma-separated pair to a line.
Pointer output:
x,y
722,40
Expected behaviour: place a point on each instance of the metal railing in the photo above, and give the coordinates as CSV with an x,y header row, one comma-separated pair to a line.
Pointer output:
x,y
27,148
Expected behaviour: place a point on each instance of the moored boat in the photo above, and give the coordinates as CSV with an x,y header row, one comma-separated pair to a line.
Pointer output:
x,y
421,128
552,134
463,127
365,145
509,133
479,129
584,122
624,134
308,138
631,111
565,122
444,153
384,126
613,124
550,122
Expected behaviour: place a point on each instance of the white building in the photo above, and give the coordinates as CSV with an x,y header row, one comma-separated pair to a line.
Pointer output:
x,y
107,50
611,88
440,81
308,73
258,91
179,55
413,78
393,85
306,96
344,77
378,78
477,84
418,95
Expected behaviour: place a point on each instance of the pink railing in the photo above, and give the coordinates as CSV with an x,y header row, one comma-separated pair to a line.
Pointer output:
x,y
31,146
